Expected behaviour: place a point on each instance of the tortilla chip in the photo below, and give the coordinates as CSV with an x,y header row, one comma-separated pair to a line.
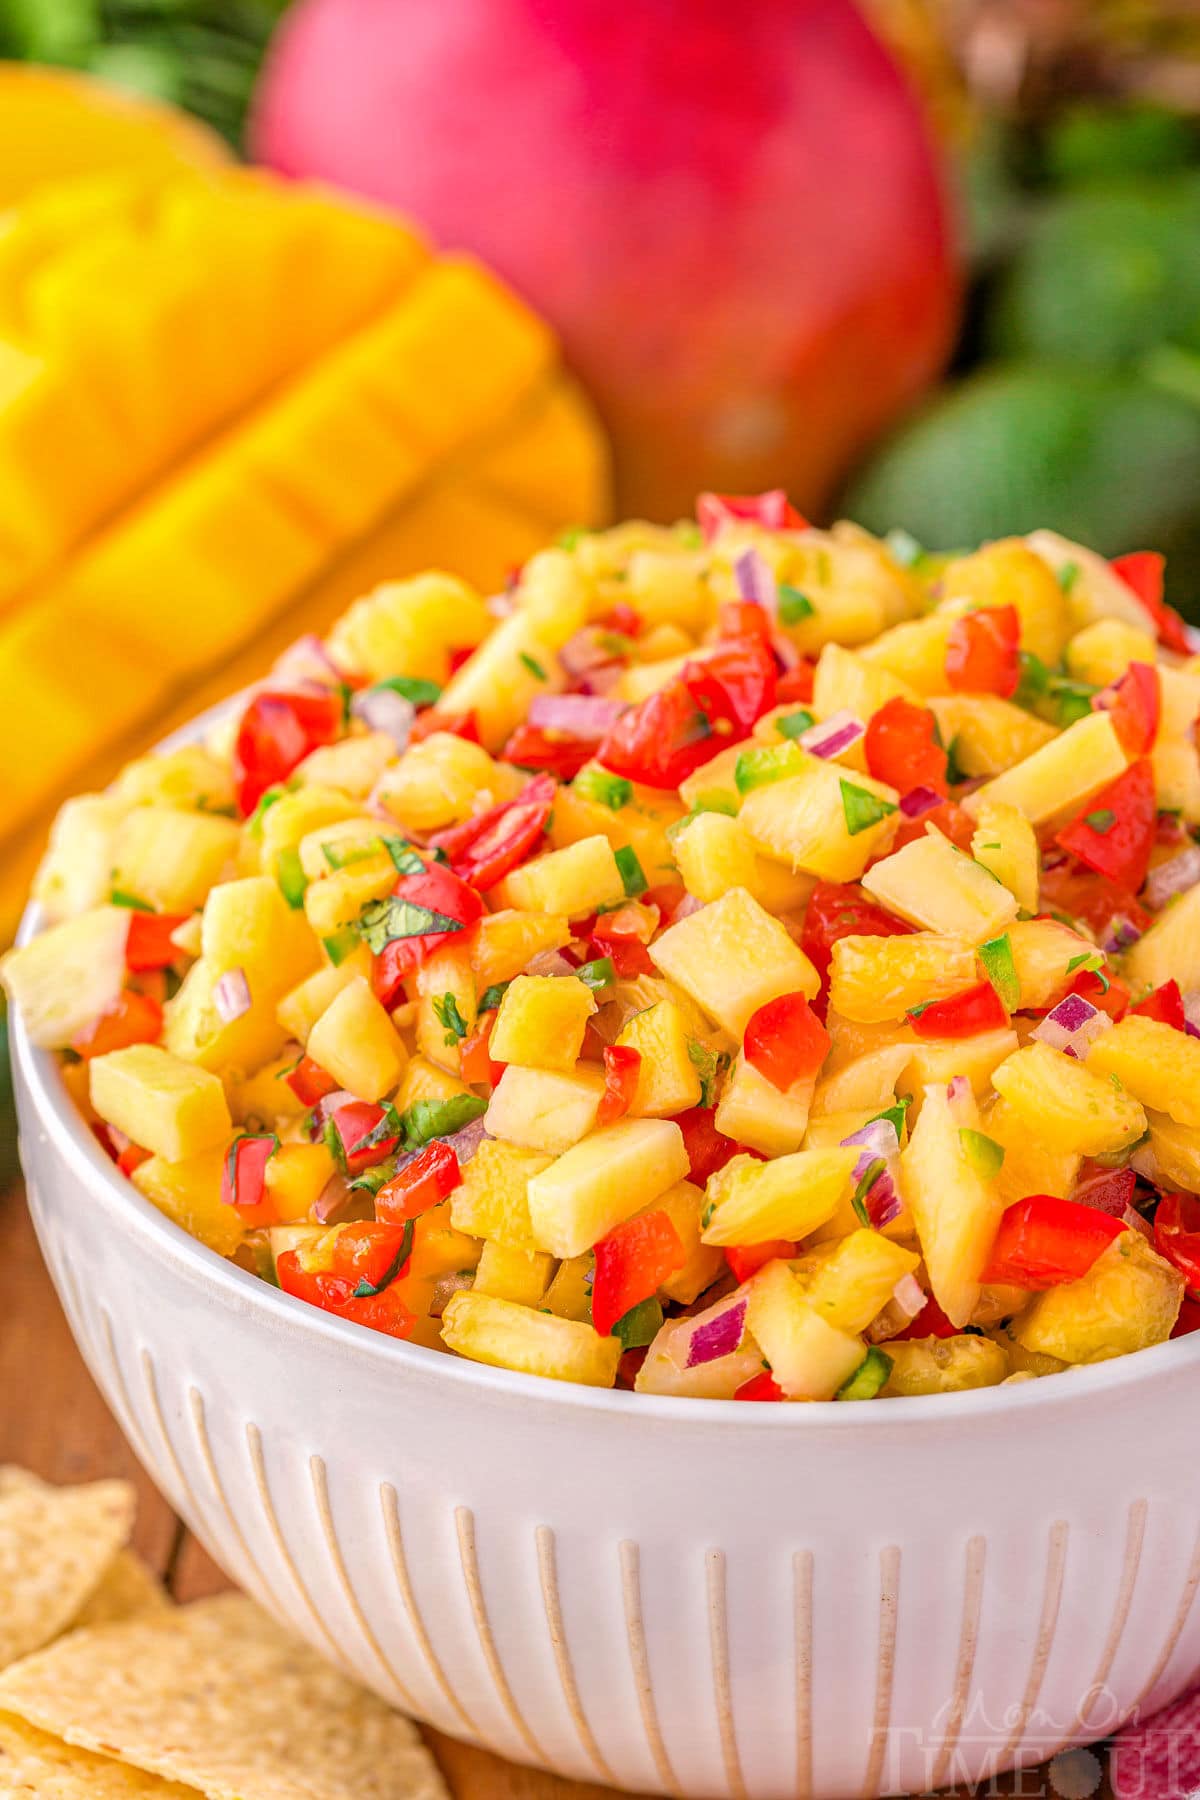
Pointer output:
x,y
128,1590
55,1545
35,1764
217,1696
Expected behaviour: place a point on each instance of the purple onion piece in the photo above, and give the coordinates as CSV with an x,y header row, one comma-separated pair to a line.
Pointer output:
x,y
883,1202
878,1138
588,716
919,800
755,582
307,660
958,1088
717,1337
381,709
334,1200
1172,877
1073,1012
833,736
231,995
466,1142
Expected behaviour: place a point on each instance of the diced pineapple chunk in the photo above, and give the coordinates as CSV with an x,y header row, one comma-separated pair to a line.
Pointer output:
x,y
569,1295
541,1022
521,1276
989,734
850,1282
603,1180
826,821
507,941
347,843
915,651
336,900
189,1193
194,1029
409,627
1176,1151
294,1179
265,1097
665,1369
441,781
492,1199
640,825
1005,844
191,778
684,1205
1170,948
714,854
939,1060
754,1202
354,765
76,871
1157,1064
1008,573
1129,1299
1095,592
1102,652
545,1109
955,1207
248,925
1059,777
294,817
170,1107
753,1111
300,1008
357,1043
668,1078
573,882
446,1003
667,587
1046,956
171,858
1067,1105
519,660
488,1330
936,1365
810,1358
1176,769
64,979
844,681
731,957
868,1082
715,780
874,979
932,884
423,1080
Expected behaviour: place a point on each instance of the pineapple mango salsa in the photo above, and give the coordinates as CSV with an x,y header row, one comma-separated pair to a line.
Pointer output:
x,y
740,960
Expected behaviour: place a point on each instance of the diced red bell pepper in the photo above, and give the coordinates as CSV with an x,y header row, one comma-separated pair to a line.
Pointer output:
x,y
438,890
622,1066
901,747
1043,1242
931,1321
1142,572
558,753
841,909
951,819
746,1259
243,1178
277,731
1114,832
1189,1318
1108,995
385,1311
632,1263
624,619
709,705
1177,1235
485,849
1108,1190
982,652
964,1015
371,1253
420,1184
127,1155
708,1149
773,510
131,1018
735,685
785,1041
796,684
455,724
741,619
148,945
628,955
760,1387
1083,895
310,1082
1134,708
475,1060
364,1134
132,1157
1165,1004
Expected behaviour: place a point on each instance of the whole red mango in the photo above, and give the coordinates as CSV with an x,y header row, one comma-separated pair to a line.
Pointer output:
x,y
731,214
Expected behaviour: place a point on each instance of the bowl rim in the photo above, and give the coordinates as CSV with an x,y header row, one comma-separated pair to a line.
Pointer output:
x,y
69,1134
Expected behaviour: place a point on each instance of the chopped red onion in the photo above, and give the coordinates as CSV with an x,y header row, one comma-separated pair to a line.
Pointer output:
x,y
1175,876
1121,935
687,906
958,1088
466,1142
919,800
1133,1218
755,581
1191,1006
501,605
1072,1025
833,736
445,1288
883,1202
382,709
717,1337
549,962
325,1109
307,660
878,1138
1109,1191
231,995
333,1201
586,652
586,716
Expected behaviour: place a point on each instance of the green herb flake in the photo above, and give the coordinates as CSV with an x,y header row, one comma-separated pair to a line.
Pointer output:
x,y
429,1119
267,801
366,1289
572,537
765,764
861,808
1102,820
383,921
1068,575
533,665
633,876
491,997
405,857
640,1325
417,691
331,1137
867,1180
596,974
896,1116
794,605
119,897
608,790
450,1018
706,1216
794,724
1069,701
289,873
955,773
999,965
1034,679
708,1065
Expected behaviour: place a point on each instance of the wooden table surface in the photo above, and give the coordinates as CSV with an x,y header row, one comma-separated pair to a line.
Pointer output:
x,y
53,1420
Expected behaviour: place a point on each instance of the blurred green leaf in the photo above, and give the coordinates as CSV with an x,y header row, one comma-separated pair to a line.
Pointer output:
x,y
1104,142
1109,459
48,30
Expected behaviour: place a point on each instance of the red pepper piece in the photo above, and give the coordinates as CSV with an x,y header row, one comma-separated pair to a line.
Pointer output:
x,y
310,1082
742,619
931,1321
785,1041
760,1387
132,1018
1109,996
243,1178
951,819
628,955
1136,703
358,1125
277,731
1165,1004
841,909
734,686
1177,1235
478,1068
710,705
746,1259
1142,572
708,1149
420,1184
773,510
558,753
623,619
438,890
1108,1190
1044,1241
366,1253
622,1065
485,849
982,652
1189,1318
384,1312
796,684
132,1157
964,1015
149,945
457,724
1093,901
1114,833
632,1263
901,747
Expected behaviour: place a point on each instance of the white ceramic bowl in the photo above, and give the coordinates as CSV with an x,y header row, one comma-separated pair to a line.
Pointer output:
x,y
687,1597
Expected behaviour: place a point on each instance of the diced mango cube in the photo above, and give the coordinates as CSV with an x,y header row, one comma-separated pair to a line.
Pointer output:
x,y
295,1177
850,1282
507,941
875,979
521,1276
668,1079
988,734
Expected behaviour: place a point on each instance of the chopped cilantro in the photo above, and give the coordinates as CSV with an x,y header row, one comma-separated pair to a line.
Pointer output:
x,y
383,921
491,997
633,877
706,1215
119,897
339,947
999,965
861,808
267,801
450,1018
412,688
1068,575
1102,820
983,1153
598,973
533,665
766,763
331,1137
403,855
954,769
866,1182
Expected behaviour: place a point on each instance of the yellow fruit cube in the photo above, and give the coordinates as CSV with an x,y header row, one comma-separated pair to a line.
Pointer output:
x,y
423,1080
409,628
669,1074
356,1042
850,1282
191,778
541,1022
1005,844
950,1365
844,681
714,854
1176,1151
506,942
955,1206
1008,573
65,978
492,1200
1129,1299
939,1060
170,858
1046,957
731,958
545,1109
194,1029
170,1107
295,1177
753,1111
915,651
1066,1104
988,734
337,900
684,1205
866,1082
825,821
264,1099
1058,778
489,1330
640,825
1102,652
755,1201
932,884
1095,592
810,1358
446,1005
1170,948
573,882
292,818
669,587
603,1180
714,783
354,765
441,781
519,659
569,1295
1156,1064
874,980
301,1007
76,871
521,1276
248,925
189,1193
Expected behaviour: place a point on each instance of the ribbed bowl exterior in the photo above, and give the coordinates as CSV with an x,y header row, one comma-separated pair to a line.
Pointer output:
x,y
684,1597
